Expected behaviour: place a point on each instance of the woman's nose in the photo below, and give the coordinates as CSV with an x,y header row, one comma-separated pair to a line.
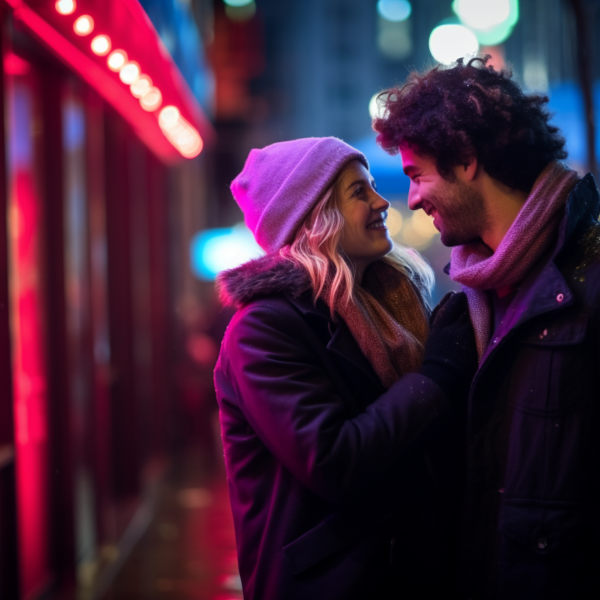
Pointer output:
x,y
380,203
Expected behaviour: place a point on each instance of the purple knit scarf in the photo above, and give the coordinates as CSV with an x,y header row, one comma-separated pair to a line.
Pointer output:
x,y
479,269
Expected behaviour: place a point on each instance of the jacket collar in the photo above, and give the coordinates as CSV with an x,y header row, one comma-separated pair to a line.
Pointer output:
x,y
545,289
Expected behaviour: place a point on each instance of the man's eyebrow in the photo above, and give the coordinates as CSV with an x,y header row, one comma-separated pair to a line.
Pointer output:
x,y
363,181
410,169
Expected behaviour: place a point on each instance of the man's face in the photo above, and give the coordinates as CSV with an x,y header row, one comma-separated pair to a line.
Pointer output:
x,y
458,209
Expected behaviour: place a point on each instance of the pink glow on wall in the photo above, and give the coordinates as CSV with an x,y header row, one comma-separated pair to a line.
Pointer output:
x,y
27,329
15,65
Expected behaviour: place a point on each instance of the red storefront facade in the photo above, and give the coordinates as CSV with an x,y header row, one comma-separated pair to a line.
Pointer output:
x,y
86,285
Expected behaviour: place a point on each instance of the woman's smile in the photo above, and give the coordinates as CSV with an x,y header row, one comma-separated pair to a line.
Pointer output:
x,y
378,223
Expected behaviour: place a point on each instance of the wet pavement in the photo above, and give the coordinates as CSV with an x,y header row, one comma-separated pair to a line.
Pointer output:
x,y
187,551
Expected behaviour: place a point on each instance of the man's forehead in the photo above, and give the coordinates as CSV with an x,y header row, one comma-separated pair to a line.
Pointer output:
x,y
410,156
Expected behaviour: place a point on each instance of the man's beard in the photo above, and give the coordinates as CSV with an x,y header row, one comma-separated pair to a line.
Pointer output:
x,y
462,212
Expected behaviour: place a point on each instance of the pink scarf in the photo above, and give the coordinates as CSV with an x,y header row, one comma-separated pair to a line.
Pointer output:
x,y
478,269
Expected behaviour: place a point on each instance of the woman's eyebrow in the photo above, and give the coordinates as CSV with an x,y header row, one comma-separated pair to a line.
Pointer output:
x,y
363,181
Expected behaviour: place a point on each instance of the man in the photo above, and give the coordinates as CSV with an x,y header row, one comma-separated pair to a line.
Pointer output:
x,y
484,163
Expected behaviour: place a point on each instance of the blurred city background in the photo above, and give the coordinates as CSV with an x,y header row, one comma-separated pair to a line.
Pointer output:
x,y
124,123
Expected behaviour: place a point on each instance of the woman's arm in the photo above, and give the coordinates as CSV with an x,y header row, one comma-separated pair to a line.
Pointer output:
x,y
292,405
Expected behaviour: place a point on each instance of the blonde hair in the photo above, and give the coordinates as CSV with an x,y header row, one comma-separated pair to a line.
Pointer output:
x,y
317,248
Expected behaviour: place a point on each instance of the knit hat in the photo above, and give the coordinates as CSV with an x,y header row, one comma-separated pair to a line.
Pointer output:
x,y
282,182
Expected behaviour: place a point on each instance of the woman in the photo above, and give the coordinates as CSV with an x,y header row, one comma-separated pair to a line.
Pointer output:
x,y
326,391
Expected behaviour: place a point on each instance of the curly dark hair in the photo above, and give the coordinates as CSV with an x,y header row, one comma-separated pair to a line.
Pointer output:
x,y
457,113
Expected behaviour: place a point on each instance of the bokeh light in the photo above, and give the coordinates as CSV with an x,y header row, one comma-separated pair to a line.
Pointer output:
x,y
65,7
84,25
492,21
101,45
448,42
116,60
151,100
482,14
238,3
394,10
179,132
141,86
168,116
215,250
394,221
423,224
129,73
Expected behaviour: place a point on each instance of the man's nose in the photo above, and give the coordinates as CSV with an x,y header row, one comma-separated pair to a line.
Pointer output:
x,y
414,198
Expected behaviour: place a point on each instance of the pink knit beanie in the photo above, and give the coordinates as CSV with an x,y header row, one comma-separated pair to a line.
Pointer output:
x,y
282,182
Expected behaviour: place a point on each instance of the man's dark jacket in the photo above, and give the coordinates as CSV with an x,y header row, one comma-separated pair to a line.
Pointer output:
x,y
533,477
313,445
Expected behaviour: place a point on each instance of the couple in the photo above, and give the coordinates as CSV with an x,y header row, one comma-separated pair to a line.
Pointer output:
x,y
375,450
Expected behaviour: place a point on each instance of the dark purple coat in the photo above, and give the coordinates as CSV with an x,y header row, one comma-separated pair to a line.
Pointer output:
x,y
532,525
321,460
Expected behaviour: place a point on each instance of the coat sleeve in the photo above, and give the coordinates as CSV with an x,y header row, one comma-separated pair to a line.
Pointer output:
x,y
292,405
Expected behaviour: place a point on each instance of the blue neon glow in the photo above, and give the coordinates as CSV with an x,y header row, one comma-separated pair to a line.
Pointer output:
x,y
216,250
394,10
238,3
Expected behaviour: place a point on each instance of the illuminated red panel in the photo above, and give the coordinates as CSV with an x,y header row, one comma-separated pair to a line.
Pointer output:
x,y
129,29
27,330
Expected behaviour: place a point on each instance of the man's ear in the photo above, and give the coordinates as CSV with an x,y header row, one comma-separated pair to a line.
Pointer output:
x,y
471,169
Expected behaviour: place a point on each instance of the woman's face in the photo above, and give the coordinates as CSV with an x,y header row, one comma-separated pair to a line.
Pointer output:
x,y
365,237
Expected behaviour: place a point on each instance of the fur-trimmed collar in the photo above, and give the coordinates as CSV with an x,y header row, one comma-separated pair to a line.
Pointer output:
x,y
270,274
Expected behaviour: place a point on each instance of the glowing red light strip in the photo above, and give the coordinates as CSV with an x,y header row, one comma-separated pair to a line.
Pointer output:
x,y
89,70
186,139
111,90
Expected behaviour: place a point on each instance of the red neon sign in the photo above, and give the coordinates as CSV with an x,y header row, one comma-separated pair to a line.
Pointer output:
x,y
121,24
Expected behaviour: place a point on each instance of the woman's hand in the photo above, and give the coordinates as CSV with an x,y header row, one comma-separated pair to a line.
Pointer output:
x,y
450,353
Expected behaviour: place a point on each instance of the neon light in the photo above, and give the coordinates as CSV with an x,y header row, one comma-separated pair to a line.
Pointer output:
x,y
65,7
141,86
116,60
84,25
179,132
101,45
146,45
151,100
129,73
